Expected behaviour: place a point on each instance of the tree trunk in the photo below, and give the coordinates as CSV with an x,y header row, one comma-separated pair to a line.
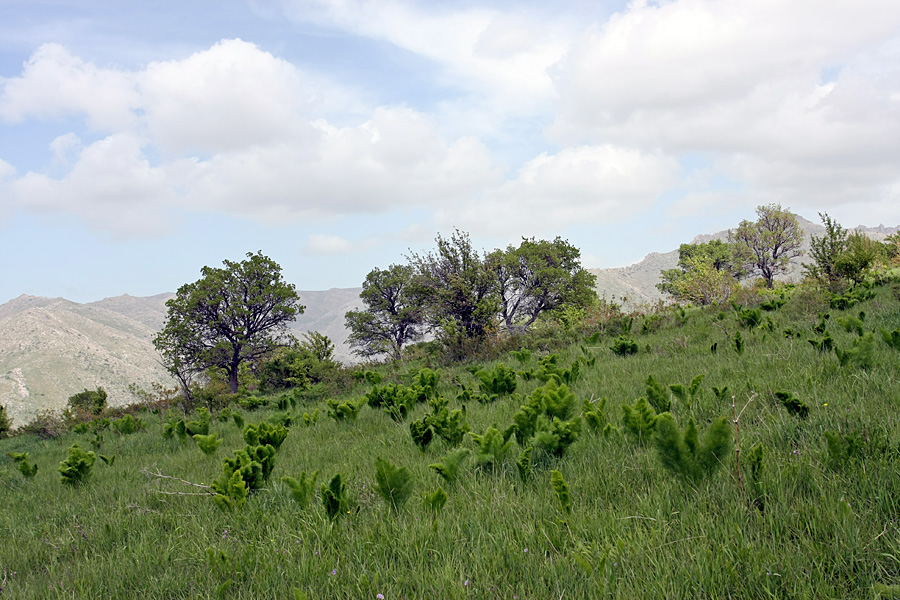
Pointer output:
x,y
233,378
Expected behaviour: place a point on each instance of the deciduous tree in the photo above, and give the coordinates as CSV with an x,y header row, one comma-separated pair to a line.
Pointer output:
x,y
768,244
228,316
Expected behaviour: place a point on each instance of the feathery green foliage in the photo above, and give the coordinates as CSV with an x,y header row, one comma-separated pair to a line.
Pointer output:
x,y
852,324
343,411
5,423
823,345
490,448
394,484
231,491
860,354
523,465
550,369
208,444
657,395
500,380
435,501
303,489
624,345
639,420
451,426
76,468
421,433
891,338
265,434
128,425
561,489
684,454
27,469
793,404
450,465
842,448
738,343
334,497
554,436
594,414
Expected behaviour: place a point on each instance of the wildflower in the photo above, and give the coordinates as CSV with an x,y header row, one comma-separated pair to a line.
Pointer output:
x,y
380,596
526,550
466,583
334,571
826,404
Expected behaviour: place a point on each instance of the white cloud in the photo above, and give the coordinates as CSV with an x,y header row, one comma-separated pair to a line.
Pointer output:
x,y
55,84
328,244
589,184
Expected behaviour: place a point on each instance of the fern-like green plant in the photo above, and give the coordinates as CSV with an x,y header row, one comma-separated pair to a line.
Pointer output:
x,y
265,434
311,419
491,449
231,491
842,448
684,454
427,380
27,469
523,355
550,370
561,489
738,343
343,411
823,345
303,489
435,501
793,404
76,468
451,426
208,444
421,433
334,498
394,484
594,414
860,354
657,395
624,345
523,465
108,460
501,380
450,465
852,324
238,419
373,377
748,317
554,436
639,421
555,400
891,338
128,425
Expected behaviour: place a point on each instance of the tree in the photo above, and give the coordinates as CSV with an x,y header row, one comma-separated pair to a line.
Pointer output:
x,y
767,245
825,251
708,273
457,290
392,316
228,316
5,423
539,277
92,402
857,259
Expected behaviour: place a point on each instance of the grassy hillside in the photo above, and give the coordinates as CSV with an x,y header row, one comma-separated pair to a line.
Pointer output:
x,y
813,520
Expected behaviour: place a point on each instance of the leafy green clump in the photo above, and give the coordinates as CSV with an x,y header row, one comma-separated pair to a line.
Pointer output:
x,y
128,425
343,411
501,380
793,404
435,501
860,354
554,436
748,317
427,381
523,465
891,338
265,434
311,419
738,343
523,355
393,483
683,453
853,324
303,489
252,466
421,433
550,369
451,426
450,465
546,413
27,469
688,394
624,345
334,498
491,448
842,448
76,468
657,395
208,444
561,489
823,345
639,420
594,414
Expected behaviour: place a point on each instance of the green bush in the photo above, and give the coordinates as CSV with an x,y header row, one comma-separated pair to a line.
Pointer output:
x,y
657,395
500,380
302,490
264,433
5,423
624,345
76,468
683,453
334,498
639,420
88,401
208,444
490,448
793,404
450,465
421,433
27,469
860,354
393,483
128,425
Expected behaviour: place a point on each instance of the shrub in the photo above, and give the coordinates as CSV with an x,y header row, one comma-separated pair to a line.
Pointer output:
x,y
334,497
523,465
860,354
76,468
594,415
623,346
91,402
554,436
561,490
394,484
27,469
684,454
421,433
657,395
128,425
343,411
823,345
5,423
451,426
46,425
500,380
793,404
208,444
265,434
550,369
891,338
491,448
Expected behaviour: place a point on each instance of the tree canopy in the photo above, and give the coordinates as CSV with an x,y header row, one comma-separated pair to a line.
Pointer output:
x,y
228,316
392,316
767,245
707,273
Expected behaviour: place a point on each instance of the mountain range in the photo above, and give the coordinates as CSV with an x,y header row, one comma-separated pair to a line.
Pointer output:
x,y
51,348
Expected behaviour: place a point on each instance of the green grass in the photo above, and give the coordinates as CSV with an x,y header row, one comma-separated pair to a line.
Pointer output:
x,y
634,531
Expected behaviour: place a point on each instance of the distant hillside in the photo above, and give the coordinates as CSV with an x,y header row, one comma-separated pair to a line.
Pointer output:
x,y
635,285
51,348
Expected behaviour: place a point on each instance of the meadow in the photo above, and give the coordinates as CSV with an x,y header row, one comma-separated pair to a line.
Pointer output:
x,y
813,511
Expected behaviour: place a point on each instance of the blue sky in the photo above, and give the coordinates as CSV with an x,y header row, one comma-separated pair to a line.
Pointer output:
x,y
140,141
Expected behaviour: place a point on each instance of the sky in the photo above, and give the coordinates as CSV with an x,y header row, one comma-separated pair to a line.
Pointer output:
x,y
140,141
